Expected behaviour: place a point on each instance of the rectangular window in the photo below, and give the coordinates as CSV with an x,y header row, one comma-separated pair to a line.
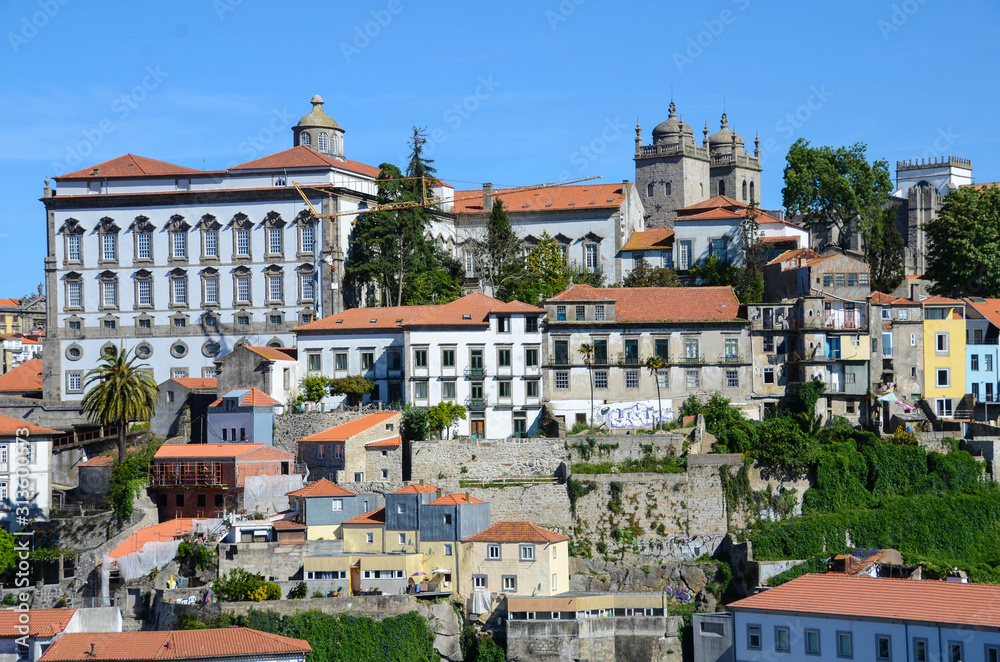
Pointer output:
x,y
943,377
812,642
685,255
663,378
337,504
782,641
503,357
180,322
211,290
753,637
732,348
211,243
448,358
531,324
314,362
580,313
274,241
693,379
561,353
555,585
420,358
148,324
560,313
308,287
420,390
510,583
988,362
111,325
839,280
73,247
143,249
109,246
993,654
243,289
887,313
340,361
631,351
919,650
631,379
448,390
661,347
402,538
479,581
527,552
974,362
827,280
275,289
180,290
883,647
852,279
600,351
243,243
145,292
74,381
367,360
941,343
666,259
338,452
732,379
718,250
110,293
955,651
307,234
562,380
448,550
599,313
505,389
691,350
503,324
493,552
590,251
600,379
531,388
531,357
178,246
863,279
370,538
845,645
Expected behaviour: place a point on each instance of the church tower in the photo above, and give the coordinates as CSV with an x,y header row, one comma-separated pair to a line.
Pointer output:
x,y
319,131
734,173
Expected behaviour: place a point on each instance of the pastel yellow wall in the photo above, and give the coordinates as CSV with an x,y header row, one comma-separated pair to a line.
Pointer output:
x,y
533,577
324,531
954,359
851,352
356,538
392,541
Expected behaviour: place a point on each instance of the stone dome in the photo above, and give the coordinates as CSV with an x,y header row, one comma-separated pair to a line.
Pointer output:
x,y
672,129
724,137
317,117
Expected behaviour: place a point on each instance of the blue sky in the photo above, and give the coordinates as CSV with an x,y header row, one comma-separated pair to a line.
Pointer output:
x,y
514,93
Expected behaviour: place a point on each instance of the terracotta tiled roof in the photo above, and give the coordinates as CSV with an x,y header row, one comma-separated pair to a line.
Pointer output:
x,y
254,397
939,300
660,304
652,238
172,645
416,488
99,461
162,532
395,442
376,516
778,240
515,531
275,353
194,383
988,308
301,156
883,299
288,525
239,451
10,302
40,623
321,488
552,198
25,378
10,426
457,499
345,431
712,203
129,166
796,254
471,310
836,594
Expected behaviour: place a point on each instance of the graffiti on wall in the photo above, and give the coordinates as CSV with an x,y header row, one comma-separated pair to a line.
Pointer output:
x,y
635,414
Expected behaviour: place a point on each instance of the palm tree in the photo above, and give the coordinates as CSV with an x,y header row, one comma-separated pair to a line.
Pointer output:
x,y
122,393
656,363
587,350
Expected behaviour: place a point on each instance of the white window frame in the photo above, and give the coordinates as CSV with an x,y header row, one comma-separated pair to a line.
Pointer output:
x,y
242,246
211,243
73,243
178,244
274,241
337,505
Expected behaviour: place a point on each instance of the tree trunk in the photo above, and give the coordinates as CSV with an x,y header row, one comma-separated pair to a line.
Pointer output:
x,y
659,404
121,442
591,396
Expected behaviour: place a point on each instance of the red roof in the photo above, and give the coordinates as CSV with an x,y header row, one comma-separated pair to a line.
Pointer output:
x,y
395,442
130,166
40,623
714,202
238,451
321,488
516,531
288,525
550,198
10,302
416,488
660,304
471,310
796,254
454,500
940,300
9,427
162,532
254,398
883,299
988,308
274,353
345,431
25,378
651,238
836,594
99,461
195,383
301,156
232,642
376,516
778,240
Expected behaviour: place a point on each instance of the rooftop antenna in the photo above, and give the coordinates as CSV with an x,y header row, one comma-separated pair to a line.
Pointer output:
x,y
671,94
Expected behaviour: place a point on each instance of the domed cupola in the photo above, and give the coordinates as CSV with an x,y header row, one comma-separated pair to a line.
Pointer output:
x,y
319,131
725,141
669,130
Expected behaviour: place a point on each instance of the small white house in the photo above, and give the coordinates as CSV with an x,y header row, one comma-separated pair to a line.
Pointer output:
x,y
24,446
44,626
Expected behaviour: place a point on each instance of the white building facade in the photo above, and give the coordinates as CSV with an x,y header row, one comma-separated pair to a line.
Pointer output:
x,y
25,472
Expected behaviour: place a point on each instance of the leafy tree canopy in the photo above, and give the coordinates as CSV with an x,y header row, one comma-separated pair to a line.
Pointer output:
x,y
353,386
964,244
714,272
120,391
548,272
442,416
128,479
645,275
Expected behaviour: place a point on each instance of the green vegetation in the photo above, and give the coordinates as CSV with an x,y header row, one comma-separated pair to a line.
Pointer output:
x,y
353,386
345,638
576,489
415,424
443,415
129,478
299,591
239,586
202,556
645,275
964,244
314,388
815,564
649,463
479,647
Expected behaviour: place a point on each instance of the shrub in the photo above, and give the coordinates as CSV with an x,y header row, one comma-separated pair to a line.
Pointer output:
x,y
239,585
298,591
314,388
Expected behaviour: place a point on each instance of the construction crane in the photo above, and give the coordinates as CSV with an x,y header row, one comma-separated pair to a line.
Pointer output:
x,y
425,201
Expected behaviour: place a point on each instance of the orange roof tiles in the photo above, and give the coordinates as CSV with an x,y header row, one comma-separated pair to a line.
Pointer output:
x,y
232,642
940,300
25,378
288,525
10,302
254,398
197,382
778,240
471,310
9,427
714,202
454,500
988,308
321,488
301,156
239,451
99,461
796,254
162,532
516,531
651,238
376,516
274,353
883,299
661,304
416,488
551,198
130,165
345,431
836,594
395,442
40,623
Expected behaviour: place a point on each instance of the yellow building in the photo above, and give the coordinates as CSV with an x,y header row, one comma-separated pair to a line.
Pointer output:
x,y
515,558
944,355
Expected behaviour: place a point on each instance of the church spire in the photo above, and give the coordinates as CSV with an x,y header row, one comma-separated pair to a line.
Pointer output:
x,y
756,145
705,131
638,134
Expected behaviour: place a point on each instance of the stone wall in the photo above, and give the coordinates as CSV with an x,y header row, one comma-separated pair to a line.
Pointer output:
x,y
485,459
635,638
289,428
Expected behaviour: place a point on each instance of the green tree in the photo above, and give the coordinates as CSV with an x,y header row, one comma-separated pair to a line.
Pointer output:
x,y
120,392
655,364
315,387
237,585
749,284
644,275
415,423
587,352
442,416
964,244
836,188
548,272
129,478
353,386
498,258
8,556
714,272
884,251
782,444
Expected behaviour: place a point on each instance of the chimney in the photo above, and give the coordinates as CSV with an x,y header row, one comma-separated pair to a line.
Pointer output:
x,y
422,482
440,492
488,196
468,498
97,170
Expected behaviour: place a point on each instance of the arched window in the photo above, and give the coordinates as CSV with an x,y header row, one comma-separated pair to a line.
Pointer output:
x,y
722,187
335,144
649,189
322,142
666,189
751,192
305,139
744,189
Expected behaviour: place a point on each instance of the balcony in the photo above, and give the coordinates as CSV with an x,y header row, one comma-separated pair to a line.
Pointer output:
x,y
845,321
692,360
730,359
475,372
475,403
187,474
